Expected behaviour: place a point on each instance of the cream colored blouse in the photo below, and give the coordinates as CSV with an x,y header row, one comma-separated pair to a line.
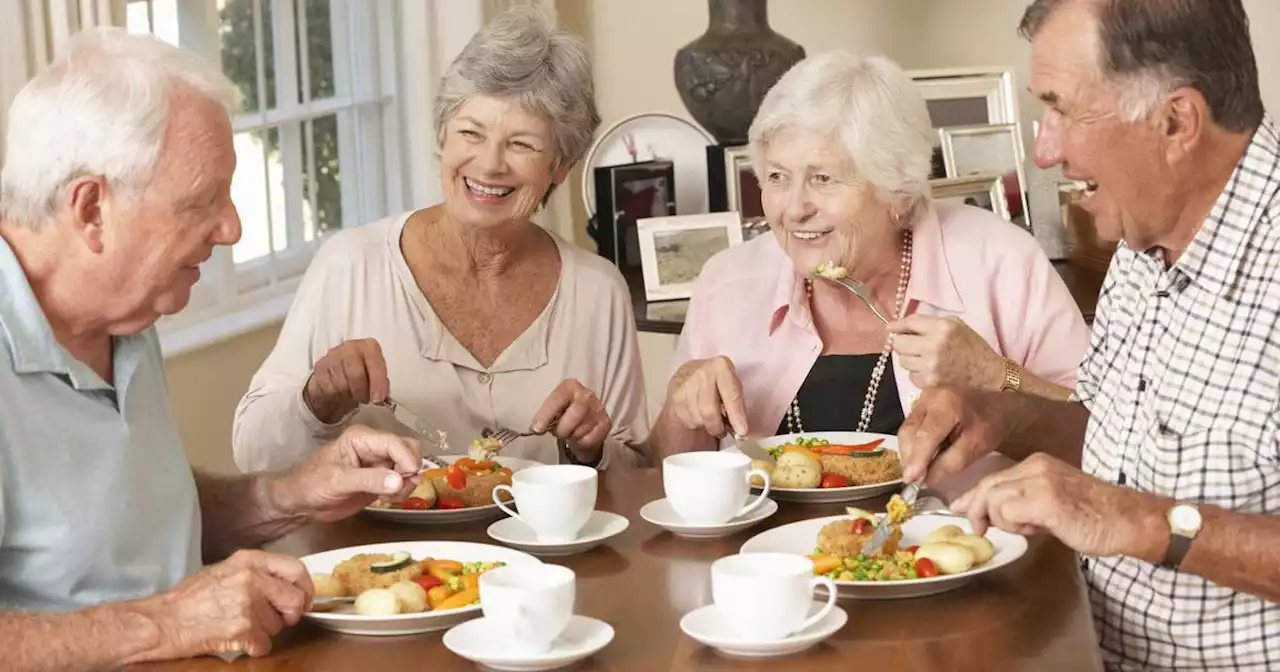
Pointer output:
x,y
359,286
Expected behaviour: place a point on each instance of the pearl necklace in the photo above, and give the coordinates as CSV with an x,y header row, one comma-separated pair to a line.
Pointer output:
x,y
792,417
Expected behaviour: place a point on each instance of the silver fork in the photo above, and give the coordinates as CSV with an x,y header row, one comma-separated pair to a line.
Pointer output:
x,y
860,290
505,435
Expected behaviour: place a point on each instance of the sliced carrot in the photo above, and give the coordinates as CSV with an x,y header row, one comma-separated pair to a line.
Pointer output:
x,y
459,599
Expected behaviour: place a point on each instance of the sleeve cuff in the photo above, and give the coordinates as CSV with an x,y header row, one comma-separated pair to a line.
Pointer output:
x,y
317,427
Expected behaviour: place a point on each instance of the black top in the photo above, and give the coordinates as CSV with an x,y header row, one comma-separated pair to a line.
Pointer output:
x,y
833,393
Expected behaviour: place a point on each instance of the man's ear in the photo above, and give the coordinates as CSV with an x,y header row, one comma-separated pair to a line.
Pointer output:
x,y
85,199
1185,120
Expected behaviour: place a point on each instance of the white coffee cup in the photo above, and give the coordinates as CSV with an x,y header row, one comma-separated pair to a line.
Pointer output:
x,y
766,596
528,606
711,487
555,500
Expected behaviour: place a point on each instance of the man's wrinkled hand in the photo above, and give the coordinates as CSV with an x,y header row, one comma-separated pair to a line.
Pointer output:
x,y
1045,495
345,476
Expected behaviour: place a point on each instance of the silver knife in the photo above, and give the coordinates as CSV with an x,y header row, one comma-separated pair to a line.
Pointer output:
x,y
752,449
909,495
429,434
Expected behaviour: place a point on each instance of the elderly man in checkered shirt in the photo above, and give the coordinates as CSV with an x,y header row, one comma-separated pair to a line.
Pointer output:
x,y
1163,471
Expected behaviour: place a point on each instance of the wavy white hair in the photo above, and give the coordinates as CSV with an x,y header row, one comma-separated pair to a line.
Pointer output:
x,y
869,105
101,109
523,54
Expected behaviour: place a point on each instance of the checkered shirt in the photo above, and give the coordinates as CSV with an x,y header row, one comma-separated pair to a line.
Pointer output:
x,y
1182,379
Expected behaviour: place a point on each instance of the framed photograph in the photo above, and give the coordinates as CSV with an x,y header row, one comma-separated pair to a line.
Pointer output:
x,y
966,97
626,194
652,136
979,149
673,250
983,190
731,182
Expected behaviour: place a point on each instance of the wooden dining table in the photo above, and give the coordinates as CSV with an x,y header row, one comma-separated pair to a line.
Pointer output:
x,y
1030,615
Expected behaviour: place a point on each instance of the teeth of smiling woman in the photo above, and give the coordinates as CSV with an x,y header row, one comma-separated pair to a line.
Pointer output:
x,y
808,235
488,191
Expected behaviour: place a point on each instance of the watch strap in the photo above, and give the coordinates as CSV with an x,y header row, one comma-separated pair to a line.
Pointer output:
x,y
1012,376
1179,544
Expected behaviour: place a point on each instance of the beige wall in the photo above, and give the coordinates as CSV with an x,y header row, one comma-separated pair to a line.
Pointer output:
x,y
634,44
204,387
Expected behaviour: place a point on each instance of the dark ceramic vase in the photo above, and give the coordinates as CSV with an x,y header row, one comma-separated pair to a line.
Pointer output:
x,y
723,75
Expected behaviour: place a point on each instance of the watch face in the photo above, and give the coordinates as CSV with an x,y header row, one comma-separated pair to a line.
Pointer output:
x,y
1184,518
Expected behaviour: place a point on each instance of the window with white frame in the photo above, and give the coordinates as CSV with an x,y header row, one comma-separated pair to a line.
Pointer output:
x,y
315,141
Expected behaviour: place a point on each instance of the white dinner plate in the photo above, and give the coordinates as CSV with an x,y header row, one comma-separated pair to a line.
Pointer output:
x,y
801,538
437,516
832,495
346,621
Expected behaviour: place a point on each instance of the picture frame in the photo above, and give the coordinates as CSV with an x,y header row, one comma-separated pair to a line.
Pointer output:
x,y
652,136
625,194
732,185
990,148
673,250
966,97
983,190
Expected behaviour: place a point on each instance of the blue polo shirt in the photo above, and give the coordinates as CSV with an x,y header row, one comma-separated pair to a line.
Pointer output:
x,y
97,500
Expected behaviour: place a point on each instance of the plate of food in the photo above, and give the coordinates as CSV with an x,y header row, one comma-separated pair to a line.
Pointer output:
x,y
403,588
459,494
924,555
825,467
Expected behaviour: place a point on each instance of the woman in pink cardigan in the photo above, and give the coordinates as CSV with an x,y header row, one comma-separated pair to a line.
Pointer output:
x,y
842,146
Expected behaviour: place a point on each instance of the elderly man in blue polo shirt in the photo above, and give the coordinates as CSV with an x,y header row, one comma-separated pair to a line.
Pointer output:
x,y
116,186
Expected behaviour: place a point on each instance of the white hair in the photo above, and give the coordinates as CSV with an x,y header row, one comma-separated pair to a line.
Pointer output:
x,y
869,105
100,109
523,54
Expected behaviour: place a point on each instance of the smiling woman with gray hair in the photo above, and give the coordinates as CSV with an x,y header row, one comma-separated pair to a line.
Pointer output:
x,y
843,147
467,313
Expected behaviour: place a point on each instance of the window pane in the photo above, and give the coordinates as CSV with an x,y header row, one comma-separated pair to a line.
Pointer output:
x,y
322,175
239,49
258,192
158,17
318,52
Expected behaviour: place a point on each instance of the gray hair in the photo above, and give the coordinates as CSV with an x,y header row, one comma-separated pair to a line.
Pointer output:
x,y
869,104
521,53
100,109
1151,48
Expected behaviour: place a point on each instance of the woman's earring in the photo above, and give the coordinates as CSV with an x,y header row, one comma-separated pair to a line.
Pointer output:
x,y
896,218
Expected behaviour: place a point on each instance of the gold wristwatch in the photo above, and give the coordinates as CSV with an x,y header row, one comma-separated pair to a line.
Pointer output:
x,y
1012,376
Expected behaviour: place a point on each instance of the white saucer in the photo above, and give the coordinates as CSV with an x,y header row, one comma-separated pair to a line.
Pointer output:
x,y
705,625
476,641
660,513
600,527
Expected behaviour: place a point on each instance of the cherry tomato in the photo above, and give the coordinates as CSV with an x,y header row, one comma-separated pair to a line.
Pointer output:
x,y
925,568
834,481
466,463
912,549
450,503
860,526
456,476
415,504
428,582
